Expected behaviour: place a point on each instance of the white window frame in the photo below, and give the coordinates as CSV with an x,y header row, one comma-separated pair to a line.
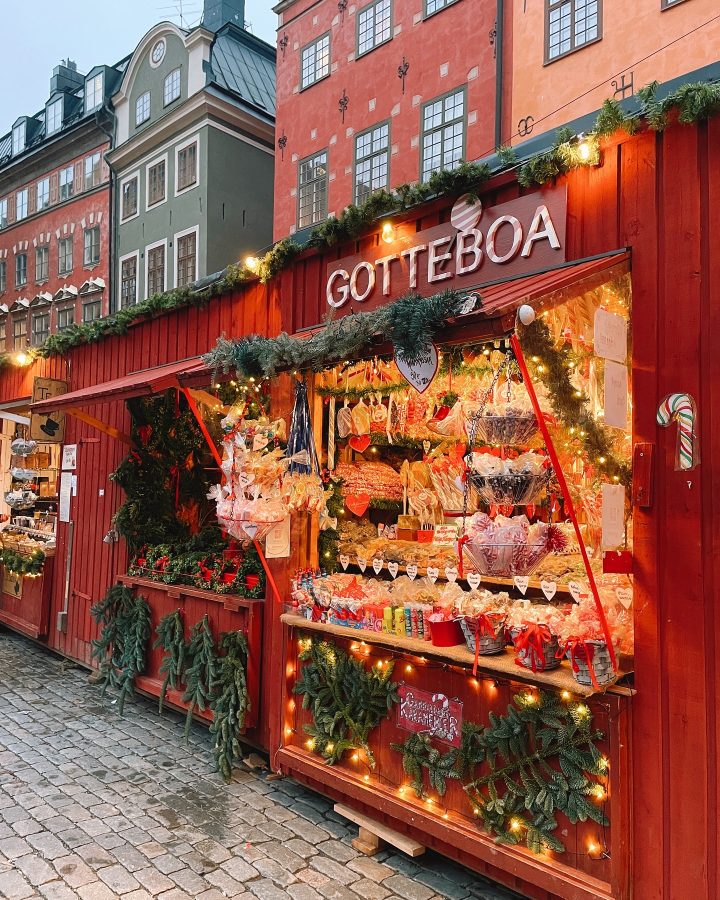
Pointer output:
x,y
91,159
150,165
193,140
96,93
71,182
176,238
163,243
3,275
18,256
440,129
63,240
42,279
62,312
313,46
4,212
125,180
25,194
439,6
371,9
53,106
370,156
45,194
134,255
86,264
46,332
142,96
93,301
167,101
19,134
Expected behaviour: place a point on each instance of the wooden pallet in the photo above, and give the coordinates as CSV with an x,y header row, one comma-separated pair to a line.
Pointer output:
x,y
372,835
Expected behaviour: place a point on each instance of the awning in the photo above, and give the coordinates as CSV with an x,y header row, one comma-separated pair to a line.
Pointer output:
x,y
137,384
505,296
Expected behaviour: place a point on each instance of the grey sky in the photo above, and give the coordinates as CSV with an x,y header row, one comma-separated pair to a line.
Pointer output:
x,y
88,32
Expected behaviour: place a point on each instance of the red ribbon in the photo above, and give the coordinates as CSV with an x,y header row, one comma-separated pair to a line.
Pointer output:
x,y
485,623
569,508
463,540
532,640
580,649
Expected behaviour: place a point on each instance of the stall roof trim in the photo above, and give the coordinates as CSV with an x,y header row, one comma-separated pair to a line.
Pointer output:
x,y
136,384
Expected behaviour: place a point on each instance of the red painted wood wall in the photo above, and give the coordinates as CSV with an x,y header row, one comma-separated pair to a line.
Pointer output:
x,y
659,195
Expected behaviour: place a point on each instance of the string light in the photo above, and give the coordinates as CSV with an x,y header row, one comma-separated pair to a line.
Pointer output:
x,y
310,744
599,792
566,695
593,848
408,669
515,824
604,764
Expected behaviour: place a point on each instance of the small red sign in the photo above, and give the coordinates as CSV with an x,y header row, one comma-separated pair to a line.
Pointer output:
x,y
433,714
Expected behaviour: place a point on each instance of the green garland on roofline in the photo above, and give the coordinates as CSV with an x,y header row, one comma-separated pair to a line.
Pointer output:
x,y
407,322
693,103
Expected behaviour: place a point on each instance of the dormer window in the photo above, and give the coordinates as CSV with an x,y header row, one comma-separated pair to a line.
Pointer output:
x,y
93,92
18,138
54,116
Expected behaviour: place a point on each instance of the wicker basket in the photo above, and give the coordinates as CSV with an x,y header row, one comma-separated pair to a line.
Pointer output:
x,y
490,644
503,430
601,664
530,660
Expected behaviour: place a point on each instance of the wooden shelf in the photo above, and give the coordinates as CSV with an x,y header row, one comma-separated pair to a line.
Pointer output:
x,y
503,665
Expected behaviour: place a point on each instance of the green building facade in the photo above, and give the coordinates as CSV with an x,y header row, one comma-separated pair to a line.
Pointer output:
x,y
193,154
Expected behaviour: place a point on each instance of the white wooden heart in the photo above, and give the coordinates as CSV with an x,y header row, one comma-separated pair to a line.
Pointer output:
x,y
344,560
393,569
625,596
577,590
549,588
411,571
451,573
246,478
362,563
421,372
377,564
433,573
250,529
474,579
521,583
260,442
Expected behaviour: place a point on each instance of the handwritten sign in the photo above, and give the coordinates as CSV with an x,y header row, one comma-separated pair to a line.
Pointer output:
x,y
445,535
613,516
419,373
616,394
433,714
610,336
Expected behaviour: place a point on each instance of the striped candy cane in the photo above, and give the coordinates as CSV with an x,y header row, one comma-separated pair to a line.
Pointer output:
x,y
681,407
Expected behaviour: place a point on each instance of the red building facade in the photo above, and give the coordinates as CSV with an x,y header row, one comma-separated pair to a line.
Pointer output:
x,y
376,95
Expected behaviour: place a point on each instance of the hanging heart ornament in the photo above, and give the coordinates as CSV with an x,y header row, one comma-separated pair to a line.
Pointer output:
x,y
358,503
419,373
360,443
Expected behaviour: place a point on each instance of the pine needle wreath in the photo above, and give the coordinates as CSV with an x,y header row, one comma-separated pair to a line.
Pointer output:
x,y
171,639
419,756
519,792
201,671
121,649
346,700
231,702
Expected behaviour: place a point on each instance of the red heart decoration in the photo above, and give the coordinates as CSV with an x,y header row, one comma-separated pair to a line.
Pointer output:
x,y
357,503
360,444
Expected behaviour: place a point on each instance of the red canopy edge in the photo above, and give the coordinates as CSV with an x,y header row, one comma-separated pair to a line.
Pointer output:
x,y
136,384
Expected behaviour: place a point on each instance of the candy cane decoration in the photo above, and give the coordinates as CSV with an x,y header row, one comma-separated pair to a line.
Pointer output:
x,y
681,407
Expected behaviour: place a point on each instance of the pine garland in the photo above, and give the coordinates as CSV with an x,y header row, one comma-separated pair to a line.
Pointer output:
x,y
231,703
121,649
171,639
520,792
419,754
572,410
22,563
346,700
201,673
409,322
329,538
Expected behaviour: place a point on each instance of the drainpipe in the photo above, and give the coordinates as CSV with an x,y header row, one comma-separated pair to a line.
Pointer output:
x,y
499,45
109,131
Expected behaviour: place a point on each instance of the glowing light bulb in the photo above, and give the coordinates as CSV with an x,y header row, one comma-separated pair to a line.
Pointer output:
x,y
408,668
515,825
388,232
252,263
566,695
310,744
599,792
584,151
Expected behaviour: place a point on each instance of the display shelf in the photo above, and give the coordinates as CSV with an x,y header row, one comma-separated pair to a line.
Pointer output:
x,y
503,665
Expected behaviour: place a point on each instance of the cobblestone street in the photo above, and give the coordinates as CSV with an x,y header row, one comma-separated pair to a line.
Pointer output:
x,y
96,807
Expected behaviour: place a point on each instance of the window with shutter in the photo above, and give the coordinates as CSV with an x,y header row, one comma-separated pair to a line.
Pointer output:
x,y
3,276
32,200
54,187
11,208
78,177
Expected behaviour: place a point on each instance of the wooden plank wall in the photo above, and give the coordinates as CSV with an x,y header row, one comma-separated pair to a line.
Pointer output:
x,y
659,195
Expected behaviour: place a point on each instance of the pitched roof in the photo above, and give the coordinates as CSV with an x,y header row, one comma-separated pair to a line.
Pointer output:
x,y
245,65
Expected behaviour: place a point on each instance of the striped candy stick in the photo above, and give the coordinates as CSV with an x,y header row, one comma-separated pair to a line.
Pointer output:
x,y
681,407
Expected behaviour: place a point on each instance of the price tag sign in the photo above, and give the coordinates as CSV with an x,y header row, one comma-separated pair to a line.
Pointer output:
x,y
420,372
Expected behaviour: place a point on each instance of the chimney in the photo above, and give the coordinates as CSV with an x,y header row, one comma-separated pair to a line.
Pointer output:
x,y
66,77
217,13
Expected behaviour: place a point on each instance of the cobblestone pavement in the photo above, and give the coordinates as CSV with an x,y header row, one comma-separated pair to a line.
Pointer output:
x,y
97,807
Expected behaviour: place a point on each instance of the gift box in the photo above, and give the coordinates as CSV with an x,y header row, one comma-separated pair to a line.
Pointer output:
x,y
446,633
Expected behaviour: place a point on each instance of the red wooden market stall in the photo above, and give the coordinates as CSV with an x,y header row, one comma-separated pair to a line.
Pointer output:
x,y
637,238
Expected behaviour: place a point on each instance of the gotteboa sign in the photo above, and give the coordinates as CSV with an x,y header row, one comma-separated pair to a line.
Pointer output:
x,y
477,246
433,714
